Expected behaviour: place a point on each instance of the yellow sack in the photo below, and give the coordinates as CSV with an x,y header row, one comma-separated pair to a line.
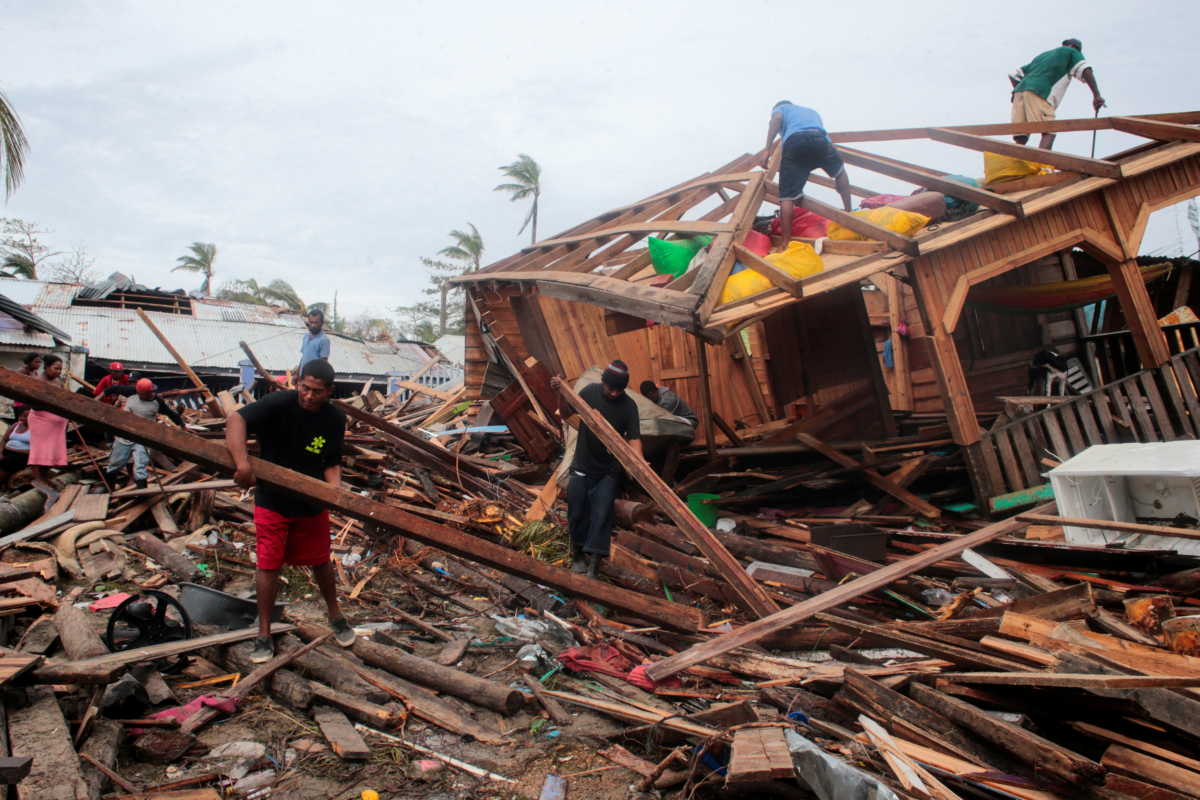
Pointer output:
x,y
997,168
799,261
894,219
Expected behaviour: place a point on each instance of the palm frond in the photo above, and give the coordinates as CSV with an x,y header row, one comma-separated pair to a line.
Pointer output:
x,y
13,146
19,266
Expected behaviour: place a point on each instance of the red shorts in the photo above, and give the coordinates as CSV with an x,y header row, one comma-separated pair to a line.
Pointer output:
x,y
299,541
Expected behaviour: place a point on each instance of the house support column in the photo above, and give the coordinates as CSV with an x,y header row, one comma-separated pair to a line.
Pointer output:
x,y
1131,291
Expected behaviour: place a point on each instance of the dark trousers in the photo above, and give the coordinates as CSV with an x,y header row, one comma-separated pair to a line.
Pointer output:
x,y
590,511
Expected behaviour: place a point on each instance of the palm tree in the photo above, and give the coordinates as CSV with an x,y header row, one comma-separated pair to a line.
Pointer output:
x,y
281,293
13,145
242,291
200,260
527,177
18,266
467,247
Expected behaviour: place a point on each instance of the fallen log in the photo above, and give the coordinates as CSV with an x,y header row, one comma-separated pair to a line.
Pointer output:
x,y
214,456
182,567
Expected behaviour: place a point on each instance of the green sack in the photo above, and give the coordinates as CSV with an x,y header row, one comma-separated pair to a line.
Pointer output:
x,y
672,258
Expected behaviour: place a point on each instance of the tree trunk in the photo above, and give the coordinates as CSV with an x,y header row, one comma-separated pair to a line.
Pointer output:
x,y
533,231
442,314
182,567
21,510
76,633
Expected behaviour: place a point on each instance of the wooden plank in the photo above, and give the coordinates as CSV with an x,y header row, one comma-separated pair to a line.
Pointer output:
x,y
214,455
1139,406
1087,166
91,507
857,587
1084,408
656,226
1156,405
343,739
1177,391
210,399
1188,389
774,274
873,477
753,597
14,665
1058,442
1035,750
1131,762
1026,456
1009,128
910,173
1151,129
1101,404
40,731
1137,744
1121,412
197,486
38,528
759,754
904,244
1113,525
1073,680
1066,415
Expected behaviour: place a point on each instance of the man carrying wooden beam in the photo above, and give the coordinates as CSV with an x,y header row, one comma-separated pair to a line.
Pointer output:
x,y
1039,86
806,146
595,472
301,430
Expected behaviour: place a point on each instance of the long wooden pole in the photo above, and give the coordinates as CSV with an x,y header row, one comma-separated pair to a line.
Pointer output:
x,y
861,585
751,596
213,455
258,367
210,399
706,417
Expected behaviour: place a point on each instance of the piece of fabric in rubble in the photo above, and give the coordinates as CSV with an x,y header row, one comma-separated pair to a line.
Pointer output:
x,y
608,660
829,777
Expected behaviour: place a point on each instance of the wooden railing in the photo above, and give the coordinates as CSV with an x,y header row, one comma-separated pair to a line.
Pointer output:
x,y
1117,356
1153,405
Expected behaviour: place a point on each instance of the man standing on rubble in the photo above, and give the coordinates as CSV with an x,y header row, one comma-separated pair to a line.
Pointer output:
x,y
595,472
298,429
315,343
1039,86
806,146
117,376
143,402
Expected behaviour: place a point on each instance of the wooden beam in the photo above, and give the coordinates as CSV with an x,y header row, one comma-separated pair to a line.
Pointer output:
x,y
272,384
874,478
1152,129
660,226
1009,128
774,274
904,244
667,306
1073,680
213,455
183,365
752,596
1063,161
911,174
1113,525
754,631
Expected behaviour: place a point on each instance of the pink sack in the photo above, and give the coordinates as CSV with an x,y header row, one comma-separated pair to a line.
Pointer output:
x,y
805,225
757,243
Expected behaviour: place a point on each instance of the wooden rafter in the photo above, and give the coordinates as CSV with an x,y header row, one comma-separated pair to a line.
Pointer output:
x,y
1065,161
1156,129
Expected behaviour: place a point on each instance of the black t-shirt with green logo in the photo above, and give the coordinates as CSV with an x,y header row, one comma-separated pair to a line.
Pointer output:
x,y
291,437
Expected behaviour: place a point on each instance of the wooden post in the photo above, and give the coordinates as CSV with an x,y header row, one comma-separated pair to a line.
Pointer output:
x,y
956,394
901,376
259,368
1135,301
211,400
706,407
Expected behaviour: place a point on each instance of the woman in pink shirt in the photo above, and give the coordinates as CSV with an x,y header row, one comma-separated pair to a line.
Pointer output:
x,y
47,434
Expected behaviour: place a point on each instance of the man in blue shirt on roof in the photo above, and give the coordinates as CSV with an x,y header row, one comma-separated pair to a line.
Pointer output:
x,y
315,343
806,147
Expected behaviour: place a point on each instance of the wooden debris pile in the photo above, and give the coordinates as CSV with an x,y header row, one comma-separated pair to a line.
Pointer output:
x,y
923,655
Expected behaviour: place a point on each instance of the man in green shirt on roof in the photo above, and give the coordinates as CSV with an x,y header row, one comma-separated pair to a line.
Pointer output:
x,y
1039,86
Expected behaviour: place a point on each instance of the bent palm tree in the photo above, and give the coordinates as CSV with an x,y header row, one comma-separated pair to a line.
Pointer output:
x,y
467,247
13,145
18,266
527,182
200,260
242,291
281,292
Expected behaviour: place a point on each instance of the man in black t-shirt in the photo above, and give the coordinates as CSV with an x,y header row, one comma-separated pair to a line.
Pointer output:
x,y
300,430
595,473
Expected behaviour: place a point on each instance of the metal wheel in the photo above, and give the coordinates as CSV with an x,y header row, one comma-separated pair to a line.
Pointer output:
x,y
151,617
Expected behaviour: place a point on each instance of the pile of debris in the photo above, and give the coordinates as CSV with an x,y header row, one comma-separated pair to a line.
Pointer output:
x,y
797,652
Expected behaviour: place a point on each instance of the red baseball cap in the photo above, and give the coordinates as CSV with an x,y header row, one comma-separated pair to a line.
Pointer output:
x,y
116,366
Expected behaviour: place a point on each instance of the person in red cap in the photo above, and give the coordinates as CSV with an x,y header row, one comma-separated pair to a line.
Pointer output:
x,y
145,403
595,472
117,376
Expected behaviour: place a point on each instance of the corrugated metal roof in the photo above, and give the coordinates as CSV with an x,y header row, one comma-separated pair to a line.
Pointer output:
x,y
118,334
19,318
23,339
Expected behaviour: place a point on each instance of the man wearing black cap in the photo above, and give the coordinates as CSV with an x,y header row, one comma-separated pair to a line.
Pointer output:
x,y
1039,86
595,473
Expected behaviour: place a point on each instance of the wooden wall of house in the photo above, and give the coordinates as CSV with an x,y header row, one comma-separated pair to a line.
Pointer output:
x,y
819,354
661,353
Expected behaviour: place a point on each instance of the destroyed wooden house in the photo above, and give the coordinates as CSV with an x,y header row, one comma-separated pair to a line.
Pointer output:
x,y
896,335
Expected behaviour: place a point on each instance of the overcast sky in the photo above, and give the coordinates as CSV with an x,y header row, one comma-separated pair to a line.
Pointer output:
x,y
334,144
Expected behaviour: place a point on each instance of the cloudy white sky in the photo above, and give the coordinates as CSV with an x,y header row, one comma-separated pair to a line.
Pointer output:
x,y
334,144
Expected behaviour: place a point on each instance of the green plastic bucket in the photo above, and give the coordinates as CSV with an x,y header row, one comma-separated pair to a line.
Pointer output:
x,y
705,512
